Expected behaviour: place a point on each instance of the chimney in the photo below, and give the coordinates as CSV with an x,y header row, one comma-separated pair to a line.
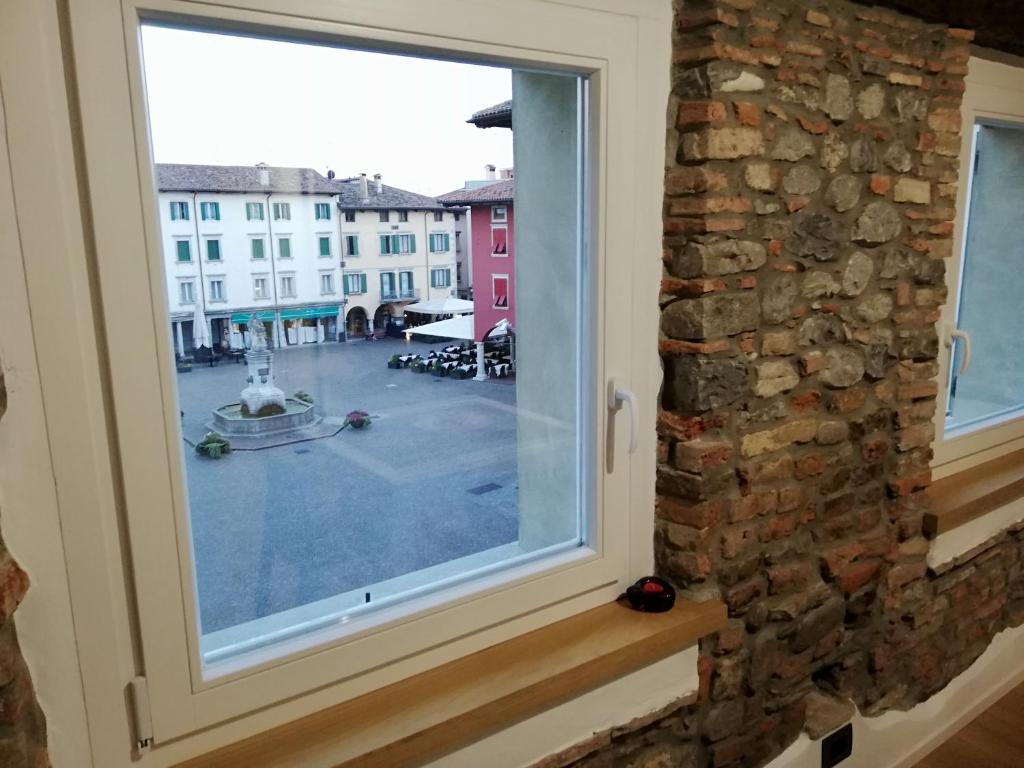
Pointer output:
x,y
489,172
378,183
264,174
507,173
364,192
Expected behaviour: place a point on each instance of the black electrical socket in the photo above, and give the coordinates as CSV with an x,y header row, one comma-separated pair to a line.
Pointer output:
x,y
837,746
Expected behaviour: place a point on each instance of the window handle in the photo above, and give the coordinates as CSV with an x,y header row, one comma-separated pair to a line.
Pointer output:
x,y
965,337
618,396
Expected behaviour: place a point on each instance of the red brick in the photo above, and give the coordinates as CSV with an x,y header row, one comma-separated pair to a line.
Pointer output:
x,y
688,18
816,127
700,113
682,347
697,515
748,113
698,455
689,206
689,180
880,184
855,576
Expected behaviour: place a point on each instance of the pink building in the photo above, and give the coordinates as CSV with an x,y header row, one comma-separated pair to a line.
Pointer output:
x,y
492,249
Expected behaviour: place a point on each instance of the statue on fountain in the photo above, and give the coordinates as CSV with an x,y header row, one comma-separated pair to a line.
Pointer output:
x,y
260,397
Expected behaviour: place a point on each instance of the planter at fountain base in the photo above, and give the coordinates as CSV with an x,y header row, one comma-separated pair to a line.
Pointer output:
x,y
297,424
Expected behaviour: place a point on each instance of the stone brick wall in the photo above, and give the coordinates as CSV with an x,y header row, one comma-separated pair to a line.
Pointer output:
x,y
813,151
22,727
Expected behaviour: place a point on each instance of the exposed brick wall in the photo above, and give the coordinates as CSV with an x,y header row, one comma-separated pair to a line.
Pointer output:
x,y
813,152
22,727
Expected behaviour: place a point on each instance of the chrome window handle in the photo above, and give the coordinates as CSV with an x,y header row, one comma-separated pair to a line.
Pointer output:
x,y
618,396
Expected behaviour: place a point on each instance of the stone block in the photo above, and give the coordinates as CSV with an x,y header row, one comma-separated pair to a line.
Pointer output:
x,y
699,384
766,441
723,144
712,315
912,191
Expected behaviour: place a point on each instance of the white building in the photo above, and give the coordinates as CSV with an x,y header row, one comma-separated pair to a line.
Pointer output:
x,y
398,247
295,248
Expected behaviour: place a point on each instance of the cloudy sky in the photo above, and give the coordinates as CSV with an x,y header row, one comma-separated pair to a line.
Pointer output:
x,y
221,100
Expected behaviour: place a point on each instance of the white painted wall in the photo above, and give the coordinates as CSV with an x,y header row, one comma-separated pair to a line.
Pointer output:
x,y
368,228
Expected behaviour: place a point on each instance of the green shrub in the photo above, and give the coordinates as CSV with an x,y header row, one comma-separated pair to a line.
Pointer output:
x,y
213,445
303,396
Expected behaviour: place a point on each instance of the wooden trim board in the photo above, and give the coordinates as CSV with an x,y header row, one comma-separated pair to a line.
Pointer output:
x,y
967,495
422,718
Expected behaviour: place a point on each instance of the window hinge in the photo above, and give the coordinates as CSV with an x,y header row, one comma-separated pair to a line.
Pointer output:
x,y
140,714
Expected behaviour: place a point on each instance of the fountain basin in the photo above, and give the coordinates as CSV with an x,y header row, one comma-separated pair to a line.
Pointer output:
x,y
229,421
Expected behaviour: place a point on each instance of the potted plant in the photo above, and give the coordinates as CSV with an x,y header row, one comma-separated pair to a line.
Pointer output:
x,y
394,362
303,396
184,364
213,446
357,419
420,366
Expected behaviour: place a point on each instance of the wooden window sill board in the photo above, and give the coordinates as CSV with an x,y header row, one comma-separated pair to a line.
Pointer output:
x,y
968,495
426,716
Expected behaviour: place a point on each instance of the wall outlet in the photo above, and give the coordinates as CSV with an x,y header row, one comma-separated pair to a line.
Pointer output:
x,y
837,746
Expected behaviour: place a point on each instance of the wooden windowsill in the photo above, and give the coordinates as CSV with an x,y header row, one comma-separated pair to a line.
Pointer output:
x,y
438,711
965,496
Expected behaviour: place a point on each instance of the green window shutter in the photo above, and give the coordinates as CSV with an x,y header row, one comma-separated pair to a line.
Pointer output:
x,y
257,249
284,248
384,244
184,252
447,242
174,212
412,243
433,278
344,284
215,210
213,250
362,283
355,245
395,244
325,246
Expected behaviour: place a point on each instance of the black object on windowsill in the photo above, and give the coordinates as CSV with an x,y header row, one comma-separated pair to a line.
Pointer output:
x,y
650,595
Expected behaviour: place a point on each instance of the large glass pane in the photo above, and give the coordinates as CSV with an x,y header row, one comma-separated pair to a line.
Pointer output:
x,y
992,283
344,453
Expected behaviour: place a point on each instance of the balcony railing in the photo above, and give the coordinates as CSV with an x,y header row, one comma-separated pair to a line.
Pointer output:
x,y
409,294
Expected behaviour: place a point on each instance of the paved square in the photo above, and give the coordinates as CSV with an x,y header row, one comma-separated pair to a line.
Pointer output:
x,y
432,479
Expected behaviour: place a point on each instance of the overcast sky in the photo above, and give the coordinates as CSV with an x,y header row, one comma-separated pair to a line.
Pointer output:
x,y
221,100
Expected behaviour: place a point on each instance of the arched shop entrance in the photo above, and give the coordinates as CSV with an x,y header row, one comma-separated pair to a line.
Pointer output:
x,y
355,322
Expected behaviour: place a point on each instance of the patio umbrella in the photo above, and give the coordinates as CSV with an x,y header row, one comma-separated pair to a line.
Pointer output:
x,y
454,328
200,330
445,306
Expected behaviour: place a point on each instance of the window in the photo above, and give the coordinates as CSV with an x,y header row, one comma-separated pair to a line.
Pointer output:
x,y
257,248
259,288
284,248
439,242
457,216
499,291
440,278
405,287
981,406
287,286
254,211
324,245
350,216
183,249
351,245
186,292
322,211
499,213
209,211
403,215
438,215
326,282
355,283
213,250
282,212
385,216
395,244
548,522
499,245
179,211
217,289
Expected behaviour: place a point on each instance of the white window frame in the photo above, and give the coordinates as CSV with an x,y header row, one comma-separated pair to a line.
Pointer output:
x,y
290,277
507,294
220,249
211,297
252,249
501,217
191,283
349,240
179,210
255,206
330,245
205,206
277,252
358,277
281,211
603,40
994,93
434,271
350,216
494,254
257,293
403,217
177,256
327,277
317,207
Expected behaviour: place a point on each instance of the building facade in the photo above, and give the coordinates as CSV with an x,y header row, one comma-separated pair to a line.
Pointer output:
x,y
491,222
398,247
302,251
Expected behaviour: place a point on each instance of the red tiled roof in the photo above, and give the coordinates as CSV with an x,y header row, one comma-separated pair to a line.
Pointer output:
x,y
500,192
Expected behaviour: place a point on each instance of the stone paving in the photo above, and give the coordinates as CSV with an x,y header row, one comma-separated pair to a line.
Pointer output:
x,y
432,479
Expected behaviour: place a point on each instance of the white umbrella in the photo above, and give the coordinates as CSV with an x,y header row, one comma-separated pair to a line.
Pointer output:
x,y
445,306
200,330
454,328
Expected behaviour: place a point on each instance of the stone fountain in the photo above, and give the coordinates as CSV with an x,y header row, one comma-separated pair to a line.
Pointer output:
x,y
263,413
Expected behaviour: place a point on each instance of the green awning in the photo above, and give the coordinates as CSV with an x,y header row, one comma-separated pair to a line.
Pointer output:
x,y
308,313
243,317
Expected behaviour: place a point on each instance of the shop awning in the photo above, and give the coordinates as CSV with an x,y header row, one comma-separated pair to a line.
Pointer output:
x,y
308,313
243,317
